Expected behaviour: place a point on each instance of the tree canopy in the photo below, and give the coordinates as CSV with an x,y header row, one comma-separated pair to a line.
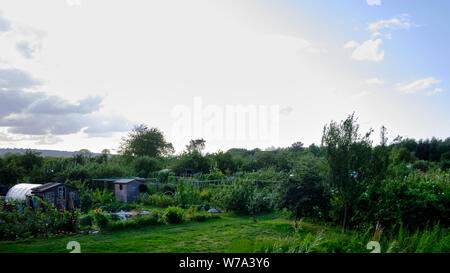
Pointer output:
x,y
145,141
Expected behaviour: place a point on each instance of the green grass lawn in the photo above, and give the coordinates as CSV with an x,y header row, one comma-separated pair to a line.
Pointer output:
x,y
214,235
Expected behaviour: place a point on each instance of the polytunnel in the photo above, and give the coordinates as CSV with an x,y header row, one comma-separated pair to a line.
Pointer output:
x,y
20,191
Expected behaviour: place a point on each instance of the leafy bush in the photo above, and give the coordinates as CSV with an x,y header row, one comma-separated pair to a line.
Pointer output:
x,y
194,214
86,202
173,215
117,206
147,220
155,200
101,220
235,196
169,188
421,165
187,194
145,165
15,224
415,200
428,240
87,220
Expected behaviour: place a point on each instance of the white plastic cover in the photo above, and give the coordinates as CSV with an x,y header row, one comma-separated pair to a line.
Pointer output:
x,y
19,192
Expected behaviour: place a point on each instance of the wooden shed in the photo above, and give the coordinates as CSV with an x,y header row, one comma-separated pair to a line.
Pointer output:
x,y
63,196
128,189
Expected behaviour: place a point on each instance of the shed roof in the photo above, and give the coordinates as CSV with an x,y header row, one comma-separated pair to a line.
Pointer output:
x,y
20,191
48,186
114,179
126,181
45,187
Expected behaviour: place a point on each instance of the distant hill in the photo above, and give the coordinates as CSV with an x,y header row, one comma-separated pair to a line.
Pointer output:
x,y
42,152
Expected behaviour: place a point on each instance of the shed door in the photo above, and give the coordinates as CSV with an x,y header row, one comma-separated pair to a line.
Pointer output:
x,y
72,199
61,197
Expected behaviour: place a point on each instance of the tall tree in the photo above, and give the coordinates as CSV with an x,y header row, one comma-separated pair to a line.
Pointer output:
x,y
297,147
343,146
197,145
144,141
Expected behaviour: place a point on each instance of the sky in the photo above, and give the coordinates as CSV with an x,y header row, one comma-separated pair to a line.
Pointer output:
x,y
78,74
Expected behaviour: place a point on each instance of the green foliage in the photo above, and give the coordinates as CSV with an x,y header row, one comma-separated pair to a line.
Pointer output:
x,y
405,183
256,203
145,165
139,222
101,220
235,196
155,200
116,206
173,215
305,193
434,240
421,165
193,160
144,141
194,215
15,224
415,200
86,202
243,196
187,194
87,220
347,153
225,162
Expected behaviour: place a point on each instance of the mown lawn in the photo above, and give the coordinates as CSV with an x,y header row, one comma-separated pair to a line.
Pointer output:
x,y
214,235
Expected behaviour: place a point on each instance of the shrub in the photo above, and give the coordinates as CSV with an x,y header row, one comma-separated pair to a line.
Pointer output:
x,y
15,224
416,200
117,206
173,215
235,197
198,218
169,188
155,200
87,220
187,194
86,202
101,220
421,165
147,220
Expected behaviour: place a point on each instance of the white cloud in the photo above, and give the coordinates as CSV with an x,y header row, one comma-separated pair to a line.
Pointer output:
x,y
367,51
399,22
434,92
370,49
374,2
418,85
351,44
375,81
73,2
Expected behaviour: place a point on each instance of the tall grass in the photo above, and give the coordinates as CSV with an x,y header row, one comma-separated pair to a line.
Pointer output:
x,y
429,240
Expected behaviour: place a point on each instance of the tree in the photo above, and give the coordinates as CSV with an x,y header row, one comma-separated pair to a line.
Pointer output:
x,y
297,147
265,159
144,141
85,152
145,165
31,160
194,160
343,144
383,136
224,162
256,203
304,193
196,145
103,158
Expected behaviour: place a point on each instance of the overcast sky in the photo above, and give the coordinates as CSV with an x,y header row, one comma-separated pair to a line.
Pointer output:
x,y
79,74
